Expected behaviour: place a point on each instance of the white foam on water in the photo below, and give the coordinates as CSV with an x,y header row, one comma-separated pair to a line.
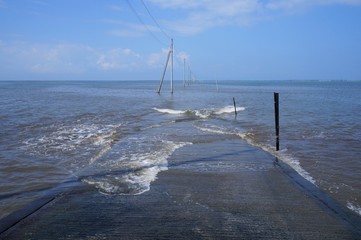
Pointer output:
x,y
142,170
60,139
228,109
79,145
282,155
202,113
290,160
169,111
218,130
354,207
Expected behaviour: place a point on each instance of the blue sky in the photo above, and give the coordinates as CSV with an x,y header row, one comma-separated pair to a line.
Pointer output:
x,y
221,39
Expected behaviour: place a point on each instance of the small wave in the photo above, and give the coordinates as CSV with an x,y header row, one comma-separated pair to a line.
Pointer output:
x,y
218,130
354,207
169,111
203,113
59,139
228,109
291,161
142,170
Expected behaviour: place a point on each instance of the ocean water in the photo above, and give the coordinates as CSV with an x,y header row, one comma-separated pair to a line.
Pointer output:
x,y
117,136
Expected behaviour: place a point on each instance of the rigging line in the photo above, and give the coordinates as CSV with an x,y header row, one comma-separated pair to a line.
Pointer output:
x,y
141,21
155,21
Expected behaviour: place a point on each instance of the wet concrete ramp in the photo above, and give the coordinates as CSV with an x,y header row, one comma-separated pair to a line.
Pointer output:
x,y
233,191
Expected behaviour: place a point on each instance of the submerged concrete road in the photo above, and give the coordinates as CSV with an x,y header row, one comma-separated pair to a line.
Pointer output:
x,y
226,190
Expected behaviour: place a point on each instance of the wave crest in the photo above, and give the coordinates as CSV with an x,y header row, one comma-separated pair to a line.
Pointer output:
x,y
202,113
141,170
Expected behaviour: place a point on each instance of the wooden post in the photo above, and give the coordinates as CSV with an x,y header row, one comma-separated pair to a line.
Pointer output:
x,y
234,104
277,123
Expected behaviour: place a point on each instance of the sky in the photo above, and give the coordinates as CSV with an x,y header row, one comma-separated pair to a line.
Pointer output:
x,y
217,39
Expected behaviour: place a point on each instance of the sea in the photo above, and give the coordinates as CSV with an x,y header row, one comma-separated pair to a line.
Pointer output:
x,y
116,136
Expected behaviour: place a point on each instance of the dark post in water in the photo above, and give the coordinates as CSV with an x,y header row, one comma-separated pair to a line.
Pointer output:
x,y
277,123
234,104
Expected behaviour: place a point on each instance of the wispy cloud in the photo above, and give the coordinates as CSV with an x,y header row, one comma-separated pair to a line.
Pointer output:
x,y
205,14
158,58
58,58
44,58
182,55
119,59
198,16
287,5
73,58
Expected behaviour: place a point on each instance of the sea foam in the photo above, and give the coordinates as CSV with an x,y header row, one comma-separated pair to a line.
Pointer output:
x,y
354,207
139,171
282,155
201,113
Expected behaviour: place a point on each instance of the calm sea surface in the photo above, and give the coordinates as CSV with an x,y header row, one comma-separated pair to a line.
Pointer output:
x,y
104,133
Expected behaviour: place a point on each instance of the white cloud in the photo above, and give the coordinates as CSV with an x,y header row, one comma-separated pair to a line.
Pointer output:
x,y
57,58
287,5
73,59
198,16
205,14
45,58
119,59
157,59
182,55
